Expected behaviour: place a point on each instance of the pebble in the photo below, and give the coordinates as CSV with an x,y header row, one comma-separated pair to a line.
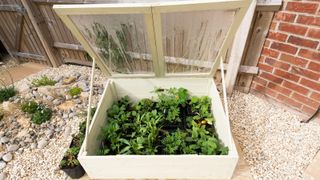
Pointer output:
x,y
7,157
33,145
1,154
2,165
4,140
56,102
3,176
13,147
42,143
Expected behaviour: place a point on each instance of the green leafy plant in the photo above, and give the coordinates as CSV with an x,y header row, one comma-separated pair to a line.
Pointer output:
x,y
74,91
29,107
70,157
43,81
1,114
174,123
6,91
41,115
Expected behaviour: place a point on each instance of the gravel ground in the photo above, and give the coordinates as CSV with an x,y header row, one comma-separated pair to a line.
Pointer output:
x,y
274,142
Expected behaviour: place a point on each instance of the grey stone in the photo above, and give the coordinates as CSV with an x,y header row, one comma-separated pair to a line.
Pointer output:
x,y
71,115
7,157
1,134
33,146
2,164
4,140
1,154
28,140
49,133
56,102
50,98
42,143
13,147
3,176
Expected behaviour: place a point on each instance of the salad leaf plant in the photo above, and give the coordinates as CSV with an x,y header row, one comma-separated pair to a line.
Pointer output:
x,y
172,122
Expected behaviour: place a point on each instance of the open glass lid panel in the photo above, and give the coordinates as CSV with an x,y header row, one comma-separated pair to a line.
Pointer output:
x,y
138,38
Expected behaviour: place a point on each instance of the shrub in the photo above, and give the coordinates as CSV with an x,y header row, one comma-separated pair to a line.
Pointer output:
x,y
74,91
43,81
29,107
6,93
42,115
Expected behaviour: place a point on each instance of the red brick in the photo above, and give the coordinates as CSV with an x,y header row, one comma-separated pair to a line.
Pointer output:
x,y
295,87
273,26
311,84
315,96
306,73
302,7
305,100
277,36
284,47
287,75
308,110
276,63
270,52
314,66
314,33
289,101
279,88
293,60
308,20
265,67
260,81
313,55
303,42
295,29
282,16
271,77
264,90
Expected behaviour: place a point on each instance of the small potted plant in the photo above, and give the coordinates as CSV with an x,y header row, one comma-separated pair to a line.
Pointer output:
x,y
69,163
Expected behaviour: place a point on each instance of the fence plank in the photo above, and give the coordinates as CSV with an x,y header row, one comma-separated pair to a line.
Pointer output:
x,y
256,42
19,26
55,61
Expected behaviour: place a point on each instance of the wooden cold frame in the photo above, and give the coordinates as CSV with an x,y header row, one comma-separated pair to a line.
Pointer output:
x,y
158,166
152,13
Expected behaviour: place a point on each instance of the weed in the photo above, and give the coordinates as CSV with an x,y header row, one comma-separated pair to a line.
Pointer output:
x,y
43,81
6,93
74,91
41,115
29,107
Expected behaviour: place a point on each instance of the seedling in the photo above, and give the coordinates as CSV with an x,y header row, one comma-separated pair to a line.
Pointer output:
x,y
43,81
173,124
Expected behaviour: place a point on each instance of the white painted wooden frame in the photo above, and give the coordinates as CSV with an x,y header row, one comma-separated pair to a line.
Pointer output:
x,y
152,17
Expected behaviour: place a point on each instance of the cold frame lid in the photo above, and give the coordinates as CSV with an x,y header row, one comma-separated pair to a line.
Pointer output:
x,y
164,38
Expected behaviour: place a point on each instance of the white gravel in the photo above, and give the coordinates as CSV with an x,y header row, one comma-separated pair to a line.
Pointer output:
x,y
274,142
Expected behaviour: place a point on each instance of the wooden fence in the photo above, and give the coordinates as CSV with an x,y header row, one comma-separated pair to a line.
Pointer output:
x,y
31,31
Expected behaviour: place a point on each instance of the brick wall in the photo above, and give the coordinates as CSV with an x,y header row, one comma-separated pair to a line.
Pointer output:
x,y
290,60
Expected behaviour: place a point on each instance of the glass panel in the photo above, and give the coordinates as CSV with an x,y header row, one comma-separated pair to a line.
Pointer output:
x,y
192,40
120,40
